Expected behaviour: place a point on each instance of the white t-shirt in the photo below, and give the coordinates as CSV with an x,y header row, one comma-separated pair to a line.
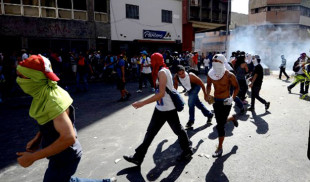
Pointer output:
x,y
206,62
165,103
186,81
146,70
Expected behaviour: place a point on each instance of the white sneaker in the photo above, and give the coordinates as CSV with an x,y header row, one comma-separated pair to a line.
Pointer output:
x,y
139,91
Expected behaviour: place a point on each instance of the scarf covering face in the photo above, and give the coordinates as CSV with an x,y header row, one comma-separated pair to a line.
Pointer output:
x,y
218,69
157,62
49,100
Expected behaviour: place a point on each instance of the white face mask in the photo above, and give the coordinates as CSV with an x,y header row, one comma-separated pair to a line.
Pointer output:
x,y
217,71
255,62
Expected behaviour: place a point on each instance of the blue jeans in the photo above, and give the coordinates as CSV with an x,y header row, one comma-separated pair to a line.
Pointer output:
x,y
193,100
62,171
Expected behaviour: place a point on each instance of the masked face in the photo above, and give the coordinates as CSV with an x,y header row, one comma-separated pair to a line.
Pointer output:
x,y
255,62
218,67
25,85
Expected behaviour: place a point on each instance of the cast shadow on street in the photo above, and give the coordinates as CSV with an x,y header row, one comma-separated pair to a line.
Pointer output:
x,y
216,173
261,124
165,159
229,127
133,174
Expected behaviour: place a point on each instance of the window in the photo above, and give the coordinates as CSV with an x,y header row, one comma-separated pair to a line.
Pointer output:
x,y
12,1
48,3
166,16
132,11
79,4
65,4
31,2
101,6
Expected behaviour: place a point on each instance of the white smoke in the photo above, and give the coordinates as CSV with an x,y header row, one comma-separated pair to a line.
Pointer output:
x,y
270,42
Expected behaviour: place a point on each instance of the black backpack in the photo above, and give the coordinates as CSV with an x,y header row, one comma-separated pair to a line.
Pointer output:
x,y
296,68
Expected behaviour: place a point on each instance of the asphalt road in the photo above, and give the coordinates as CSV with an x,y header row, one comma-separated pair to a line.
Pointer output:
x,y
267,146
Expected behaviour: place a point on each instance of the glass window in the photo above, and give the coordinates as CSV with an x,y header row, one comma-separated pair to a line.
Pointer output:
x,y
101,6
48,3
166,16
79,4
132,11
65,4
12,1
31,2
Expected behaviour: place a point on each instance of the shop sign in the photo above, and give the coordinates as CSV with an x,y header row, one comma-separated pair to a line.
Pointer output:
x,y
151,34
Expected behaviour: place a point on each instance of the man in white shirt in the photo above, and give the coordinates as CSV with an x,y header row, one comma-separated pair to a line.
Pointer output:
x,y
146,71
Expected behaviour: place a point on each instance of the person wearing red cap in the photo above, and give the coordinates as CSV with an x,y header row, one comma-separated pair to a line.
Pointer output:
x,y
51,108
164,111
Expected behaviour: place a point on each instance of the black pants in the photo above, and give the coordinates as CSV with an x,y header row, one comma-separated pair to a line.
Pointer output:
x,y
158,120
144,76
243,89
255,95
221,112
282,70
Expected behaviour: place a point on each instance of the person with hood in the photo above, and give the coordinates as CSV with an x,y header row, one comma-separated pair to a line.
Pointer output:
x,y
282,68
164,111
52,108
222,80
256,85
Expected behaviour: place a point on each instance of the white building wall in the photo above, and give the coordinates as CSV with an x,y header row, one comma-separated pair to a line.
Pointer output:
x,y
125,29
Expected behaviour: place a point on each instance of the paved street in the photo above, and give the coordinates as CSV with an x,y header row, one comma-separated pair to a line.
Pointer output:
x,y
266,147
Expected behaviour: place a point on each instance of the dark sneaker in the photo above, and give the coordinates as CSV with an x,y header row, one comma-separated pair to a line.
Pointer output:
x,y
189,124
235,121
251,109
132,160
287,78
185,156
217,153
289,90
267,105
210,118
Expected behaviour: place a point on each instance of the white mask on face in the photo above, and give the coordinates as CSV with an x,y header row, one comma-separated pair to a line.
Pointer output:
x,y
217,71
255,62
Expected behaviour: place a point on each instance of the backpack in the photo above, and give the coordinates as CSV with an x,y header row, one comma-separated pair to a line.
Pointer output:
x,y
295,66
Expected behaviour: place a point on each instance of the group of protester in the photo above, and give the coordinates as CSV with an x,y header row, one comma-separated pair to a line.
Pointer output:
x,y
57,133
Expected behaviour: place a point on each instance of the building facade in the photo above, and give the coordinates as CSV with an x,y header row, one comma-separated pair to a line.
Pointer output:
x,y
281,27
55,24
146,25
202,16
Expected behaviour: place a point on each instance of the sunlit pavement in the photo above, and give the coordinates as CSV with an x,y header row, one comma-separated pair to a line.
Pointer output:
x,y
267,146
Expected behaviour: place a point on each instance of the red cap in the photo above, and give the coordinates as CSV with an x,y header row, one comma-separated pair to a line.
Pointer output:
x,y
40,63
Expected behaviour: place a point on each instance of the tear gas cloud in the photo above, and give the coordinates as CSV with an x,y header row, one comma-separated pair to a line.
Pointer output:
x,y
270,42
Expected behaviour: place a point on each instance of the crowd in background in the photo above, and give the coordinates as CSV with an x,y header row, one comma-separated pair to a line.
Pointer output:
x,y
75,69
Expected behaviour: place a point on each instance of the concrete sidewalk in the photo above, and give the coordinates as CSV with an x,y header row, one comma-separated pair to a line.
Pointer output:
x,y
267,146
